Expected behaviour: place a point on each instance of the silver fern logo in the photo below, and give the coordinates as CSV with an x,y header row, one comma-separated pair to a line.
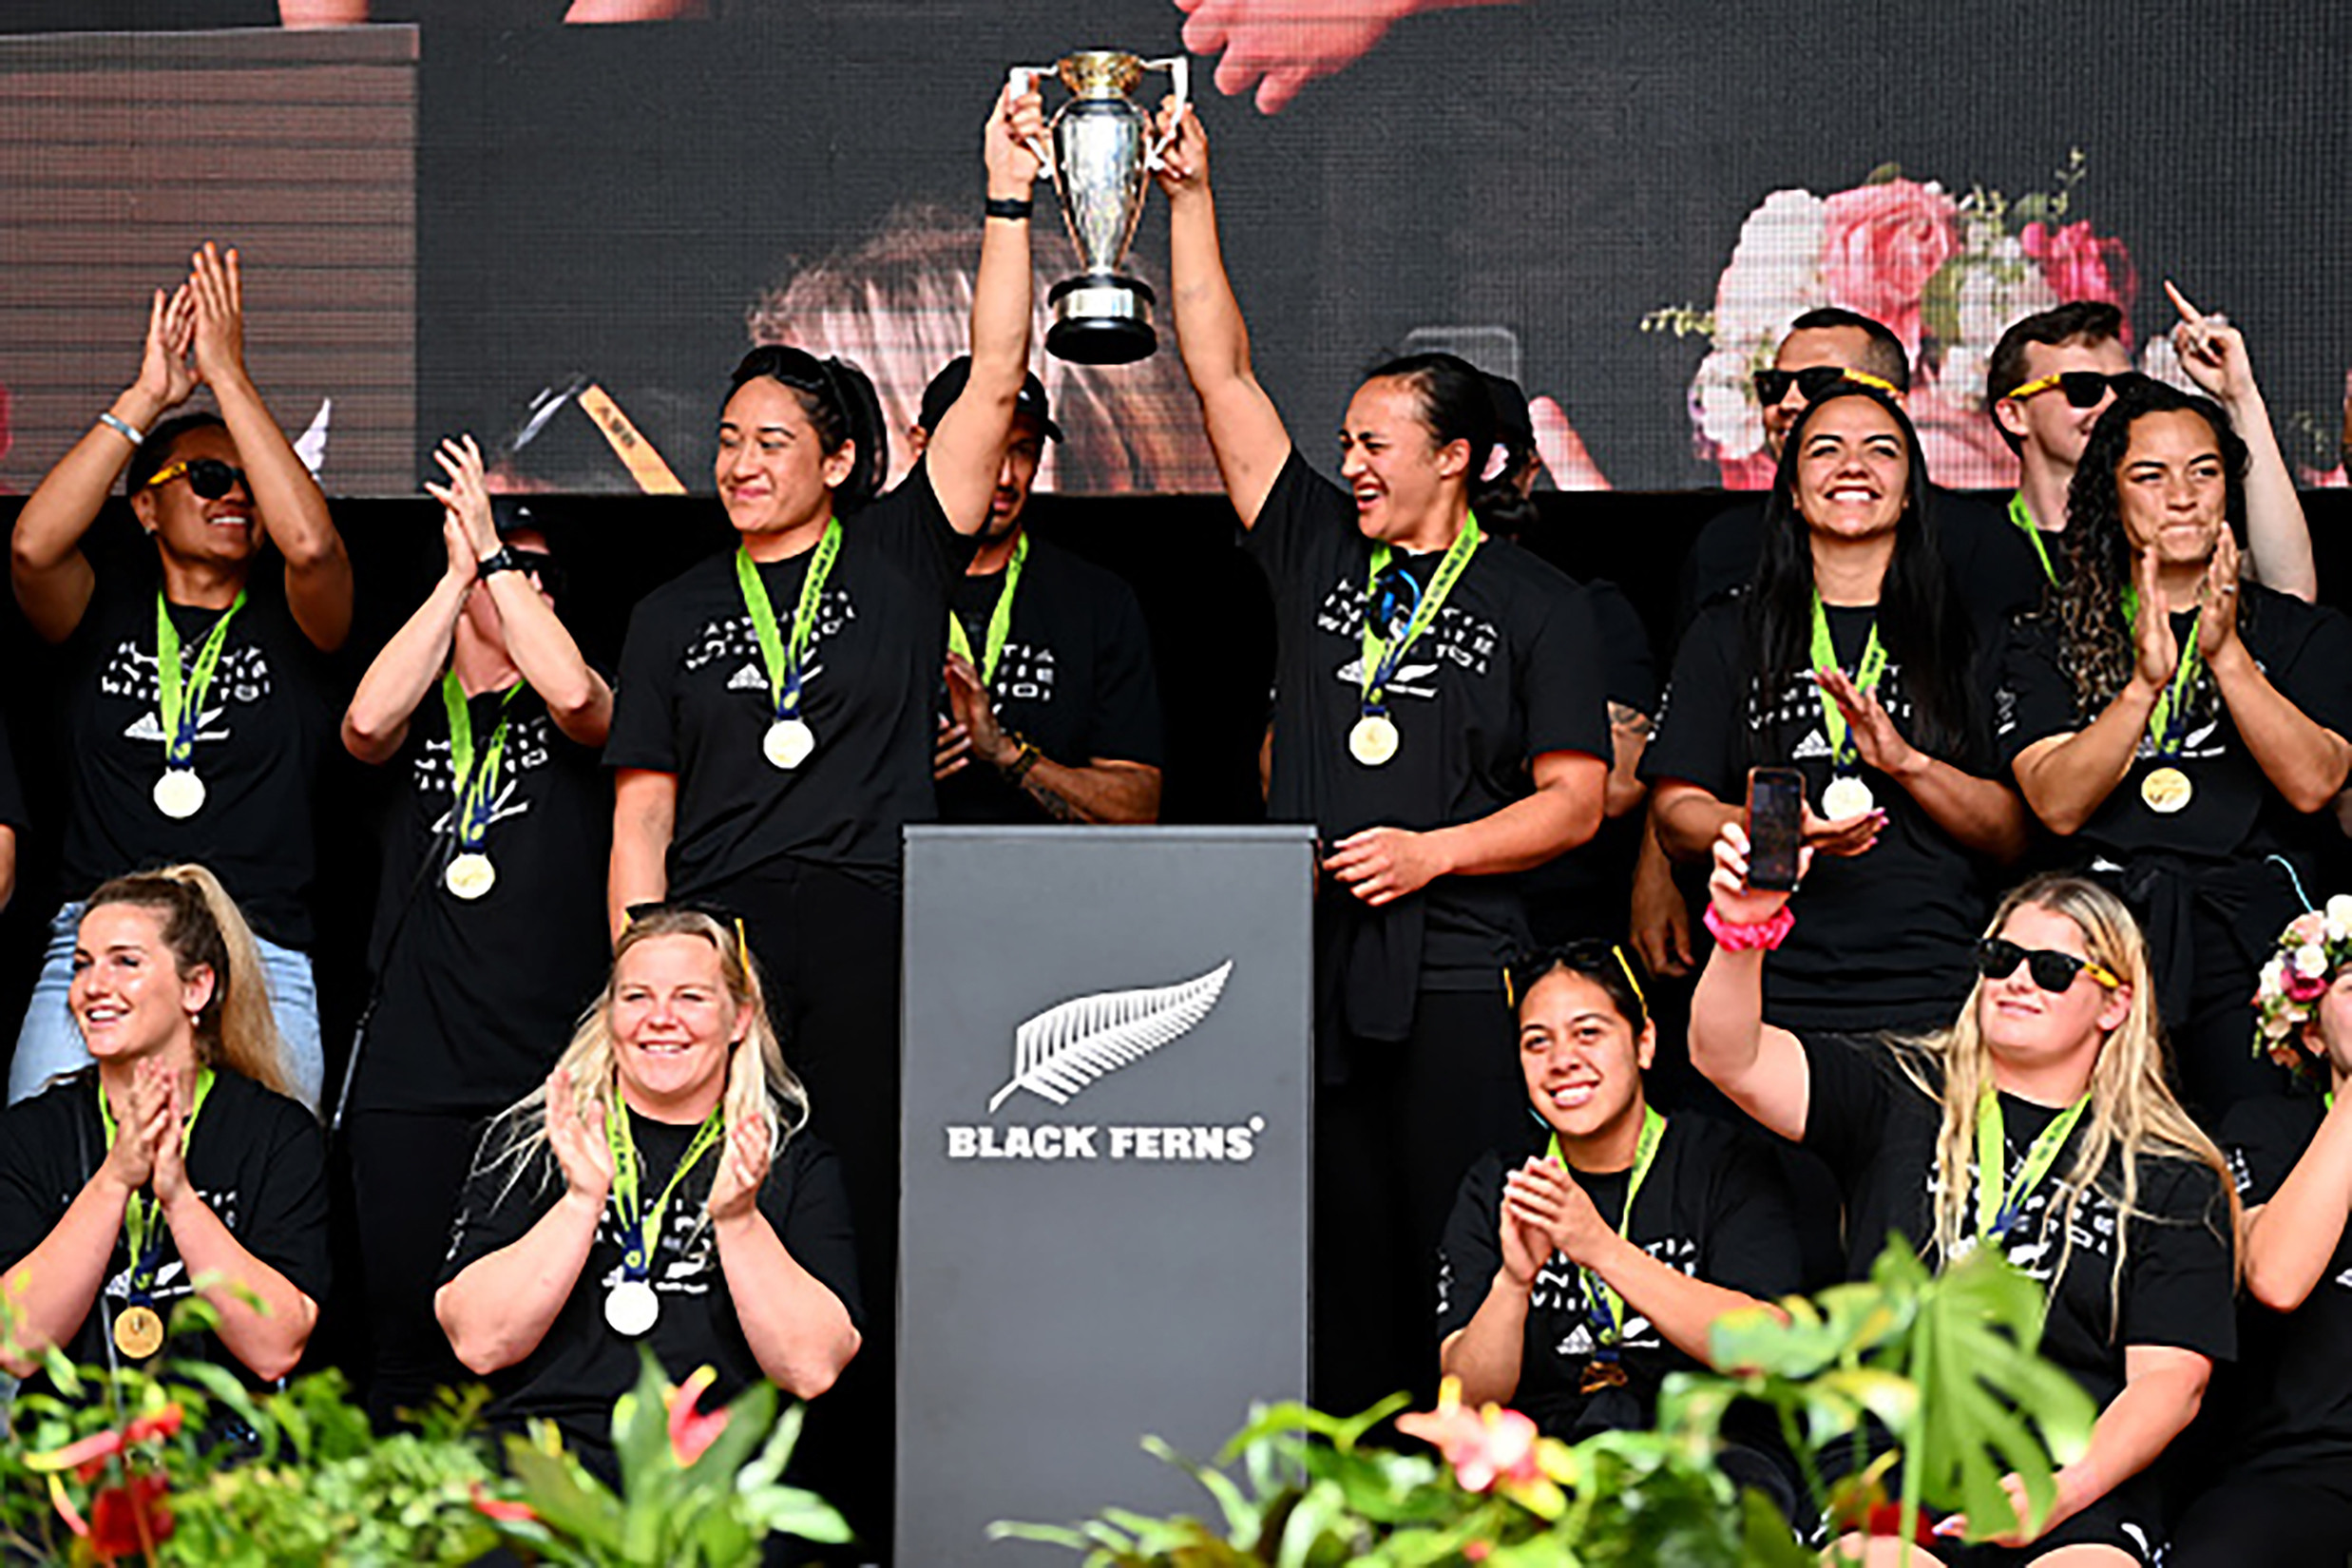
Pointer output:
x,y
1068,1047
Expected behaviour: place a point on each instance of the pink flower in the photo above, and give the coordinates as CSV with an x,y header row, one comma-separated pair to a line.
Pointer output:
x,y
691,1431
496,1509
2304,987
2080,265
1490,1445
1884,243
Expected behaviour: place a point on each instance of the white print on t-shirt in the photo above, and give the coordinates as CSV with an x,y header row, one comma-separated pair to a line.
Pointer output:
x,y
171,1277
732,639
242,676
1457,638
526,750
1800,703
684,1264
2034,1244
1557,1288
1024,673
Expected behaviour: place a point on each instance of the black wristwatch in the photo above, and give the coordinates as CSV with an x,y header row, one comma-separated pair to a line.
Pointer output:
x,y
500,560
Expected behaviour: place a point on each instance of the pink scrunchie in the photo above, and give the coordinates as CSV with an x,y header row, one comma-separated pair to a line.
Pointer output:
x,y
1750,936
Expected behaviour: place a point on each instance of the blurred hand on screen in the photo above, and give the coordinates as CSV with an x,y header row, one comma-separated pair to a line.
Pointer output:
x,y
1279,46
1562,450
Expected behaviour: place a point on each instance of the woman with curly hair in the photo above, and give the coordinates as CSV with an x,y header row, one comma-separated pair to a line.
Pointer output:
x,y
2185,753
2037,1121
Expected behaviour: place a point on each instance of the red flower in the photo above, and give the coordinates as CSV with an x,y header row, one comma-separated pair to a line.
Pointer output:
x,y
125,1521
2304,987
2080,265
1884,243
692,1431
89,1455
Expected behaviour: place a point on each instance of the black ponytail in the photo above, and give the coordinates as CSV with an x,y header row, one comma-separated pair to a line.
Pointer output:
x,y
841,407
1456,405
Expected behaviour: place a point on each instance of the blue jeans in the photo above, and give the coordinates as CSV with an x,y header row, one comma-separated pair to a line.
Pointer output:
x,y
51,1042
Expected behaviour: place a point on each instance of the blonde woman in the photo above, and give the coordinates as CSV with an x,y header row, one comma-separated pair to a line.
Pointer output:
x,y
656,1189
176,1156
2039,1123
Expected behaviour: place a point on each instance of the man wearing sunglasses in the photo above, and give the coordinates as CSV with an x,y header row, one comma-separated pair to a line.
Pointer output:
x,y
194,713
2053,373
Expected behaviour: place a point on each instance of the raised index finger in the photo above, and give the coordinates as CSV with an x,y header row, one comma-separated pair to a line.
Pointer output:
x,y
2180,302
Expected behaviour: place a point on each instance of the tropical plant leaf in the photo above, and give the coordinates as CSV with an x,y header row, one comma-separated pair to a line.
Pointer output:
x,y
1066,1048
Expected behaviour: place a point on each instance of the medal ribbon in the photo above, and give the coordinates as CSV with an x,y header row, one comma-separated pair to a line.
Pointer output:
x,y
1865,679
1380,658
2024,520
1596,1291
1996,1208
1000,620
181,706
641,1228
143,1222
783,661
2167,722
473,791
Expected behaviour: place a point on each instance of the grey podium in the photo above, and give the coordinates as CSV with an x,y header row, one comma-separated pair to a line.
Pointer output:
x,y
1103,1212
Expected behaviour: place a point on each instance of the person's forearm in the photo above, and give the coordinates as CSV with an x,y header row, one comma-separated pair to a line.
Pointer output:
x,y
1210,334
52,1288
1726,1014
967,451
1688,820
409,667
51,576
1530,830
1628,737
2278,537
798,1331
1982,814
645,808
269,1337
2305,760
294,513
498,1309
1679,1306
2066,782
2136,1426
2290,1239
1101,793
1485,1355
543,649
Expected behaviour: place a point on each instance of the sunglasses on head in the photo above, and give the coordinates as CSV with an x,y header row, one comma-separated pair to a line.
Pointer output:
x,y
2053,972
2083,389
207,477
1815,382
1587,957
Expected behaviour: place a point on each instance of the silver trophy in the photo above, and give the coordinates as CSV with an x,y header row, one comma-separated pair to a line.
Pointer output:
x,y
1102,152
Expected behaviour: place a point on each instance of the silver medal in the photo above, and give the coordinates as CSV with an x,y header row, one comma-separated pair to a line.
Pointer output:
x,y
470,876
631,1307
180,794
1846,796
1374,740
788,743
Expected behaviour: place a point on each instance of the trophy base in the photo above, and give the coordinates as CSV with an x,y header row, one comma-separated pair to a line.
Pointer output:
x,y
1102,320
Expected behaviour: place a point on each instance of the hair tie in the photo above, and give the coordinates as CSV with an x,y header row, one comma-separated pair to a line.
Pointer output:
x,y
1497,458
743,949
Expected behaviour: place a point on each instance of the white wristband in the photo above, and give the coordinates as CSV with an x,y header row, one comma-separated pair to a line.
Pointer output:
x,y
122,427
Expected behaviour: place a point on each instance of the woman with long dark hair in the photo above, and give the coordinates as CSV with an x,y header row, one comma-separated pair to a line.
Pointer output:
x,y
177,1156
1439,716
2036,1119
2186,755
1853,660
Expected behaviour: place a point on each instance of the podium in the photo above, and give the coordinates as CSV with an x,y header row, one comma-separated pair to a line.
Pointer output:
x,y
1103,1225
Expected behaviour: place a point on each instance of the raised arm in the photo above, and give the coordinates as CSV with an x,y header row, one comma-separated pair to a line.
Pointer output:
x,y
2277,534
1245,430
290,508
798,1331
966,452
2288,1241
409,668
579,699
1762,1067
52,576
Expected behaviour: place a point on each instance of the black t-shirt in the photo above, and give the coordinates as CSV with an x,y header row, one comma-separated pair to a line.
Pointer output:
x,y
256,1157
1882,938
1075,679
266,723
1510,670
582,1365
12,812
1993,569
2233,813
693,699
1877,1131
1712,1206
1583,894
479,996
2297,1375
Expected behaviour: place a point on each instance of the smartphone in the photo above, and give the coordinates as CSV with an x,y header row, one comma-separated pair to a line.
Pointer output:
x,y
1775,826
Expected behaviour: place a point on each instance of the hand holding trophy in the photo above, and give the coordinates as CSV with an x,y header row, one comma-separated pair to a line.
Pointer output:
x,y
1101,154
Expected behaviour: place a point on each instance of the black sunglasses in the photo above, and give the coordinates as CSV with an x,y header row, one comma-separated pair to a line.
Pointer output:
x,y
1815,381
2052,971
541,565
207,477
2082,389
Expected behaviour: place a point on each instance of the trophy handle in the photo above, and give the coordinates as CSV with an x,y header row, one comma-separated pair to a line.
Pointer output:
x,y
1180,70
1020,80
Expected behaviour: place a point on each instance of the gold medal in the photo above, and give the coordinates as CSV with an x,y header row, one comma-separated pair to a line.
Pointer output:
x,y
788,743
2165,789
1374,740
1600,1374
470,876
180,794
1846,796
138,1332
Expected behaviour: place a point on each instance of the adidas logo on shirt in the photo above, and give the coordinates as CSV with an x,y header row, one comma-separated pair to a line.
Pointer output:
x,y
751,677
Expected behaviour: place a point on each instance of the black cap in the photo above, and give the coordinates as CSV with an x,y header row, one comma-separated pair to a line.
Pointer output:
x,y
948,385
